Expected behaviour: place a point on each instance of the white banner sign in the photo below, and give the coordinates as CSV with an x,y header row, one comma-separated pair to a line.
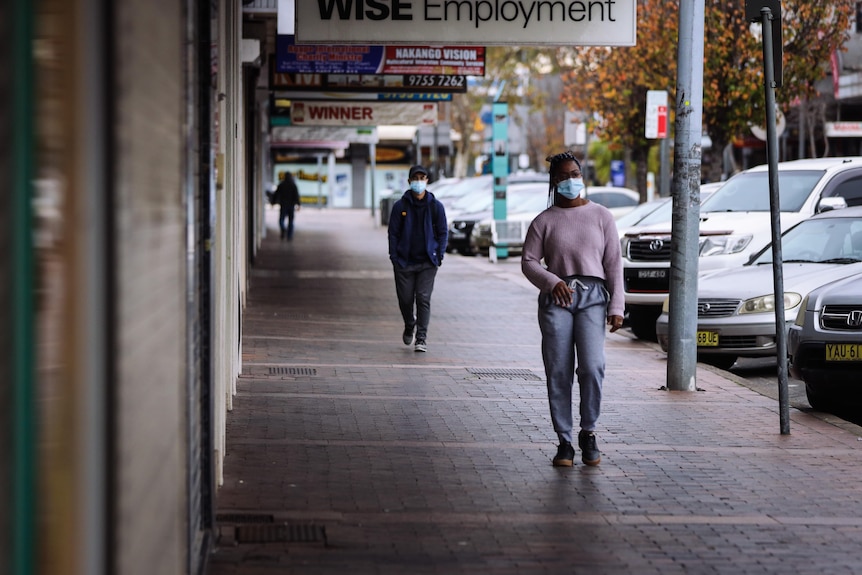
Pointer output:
x,y
322,113
482,22
656,115
843,129
281,134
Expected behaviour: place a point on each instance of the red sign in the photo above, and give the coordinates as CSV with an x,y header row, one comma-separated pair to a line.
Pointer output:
x,y
662,122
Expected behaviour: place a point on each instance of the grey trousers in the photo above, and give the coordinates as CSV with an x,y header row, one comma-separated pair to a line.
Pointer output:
x,y
413,285
574,333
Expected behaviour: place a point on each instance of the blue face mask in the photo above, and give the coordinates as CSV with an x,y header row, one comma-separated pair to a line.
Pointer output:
x,y
571,188
418,186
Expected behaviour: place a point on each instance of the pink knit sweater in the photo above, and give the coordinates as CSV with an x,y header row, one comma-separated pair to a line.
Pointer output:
x,y
575,241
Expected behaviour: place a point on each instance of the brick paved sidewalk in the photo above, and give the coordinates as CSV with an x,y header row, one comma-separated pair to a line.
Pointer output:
x,y
347,452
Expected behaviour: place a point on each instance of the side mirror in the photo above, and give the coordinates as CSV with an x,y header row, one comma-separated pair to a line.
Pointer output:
x,y
831,203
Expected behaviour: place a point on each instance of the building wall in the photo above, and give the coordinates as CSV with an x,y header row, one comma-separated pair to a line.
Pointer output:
x,y
150,287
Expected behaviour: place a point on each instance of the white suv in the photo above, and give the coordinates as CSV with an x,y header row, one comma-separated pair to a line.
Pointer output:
x,y
735,222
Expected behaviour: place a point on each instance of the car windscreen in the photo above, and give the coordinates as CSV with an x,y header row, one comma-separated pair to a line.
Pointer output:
x,y
463,187
749,192
819,240
640,212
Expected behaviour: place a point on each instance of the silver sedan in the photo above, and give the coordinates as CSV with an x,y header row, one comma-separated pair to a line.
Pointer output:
x,y
736,308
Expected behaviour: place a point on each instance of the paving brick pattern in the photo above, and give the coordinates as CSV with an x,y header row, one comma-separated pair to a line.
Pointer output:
x,y
440,462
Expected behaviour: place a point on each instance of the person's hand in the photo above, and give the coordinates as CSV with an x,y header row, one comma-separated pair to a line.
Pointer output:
x,y
615,321
562,294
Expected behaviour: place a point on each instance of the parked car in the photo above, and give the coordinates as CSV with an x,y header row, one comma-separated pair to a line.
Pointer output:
x,y
736,307
461,224
620,201
657,211
440,188
735,222
482,233
825,343
460,197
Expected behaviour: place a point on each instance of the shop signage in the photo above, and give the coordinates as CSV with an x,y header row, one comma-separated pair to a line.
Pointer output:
x,y
483,22
323,113
369,82
351,59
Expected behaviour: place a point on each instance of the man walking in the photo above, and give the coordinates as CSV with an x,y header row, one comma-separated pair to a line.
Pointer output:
x,y
287,197
418,233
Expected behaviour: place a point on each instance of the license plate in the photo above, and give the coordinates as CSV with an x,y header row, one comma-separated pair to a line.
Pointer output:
x,y
652,274
707,339
843,352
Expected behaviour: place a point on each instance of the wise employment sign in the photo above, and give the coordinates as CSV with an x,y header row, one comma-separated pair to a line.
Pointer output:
x,y
485,22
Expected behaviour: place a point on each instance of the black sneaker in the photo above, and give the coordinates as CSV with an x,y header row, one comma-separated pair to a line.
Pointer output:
x,y
587,442
407,336
420,345
565,455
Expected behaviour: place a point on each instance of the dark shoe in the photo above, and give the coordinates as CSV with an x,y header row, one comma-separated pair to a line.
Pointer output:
x,y
407,336
587,442
565,455
420,346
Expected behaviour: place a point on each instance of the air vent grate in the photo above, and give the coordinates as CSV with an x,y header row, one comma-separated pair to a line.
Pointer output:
x,y
292,371
232,518
284,533
485,373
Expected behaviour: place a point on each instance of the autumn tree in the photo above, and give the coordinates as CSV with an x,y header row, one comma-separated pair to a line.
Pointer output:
x,y
613,81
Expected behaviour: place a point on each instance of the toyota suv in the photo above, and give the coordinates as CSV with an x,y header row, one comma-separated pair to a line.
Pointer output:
x,y
735,222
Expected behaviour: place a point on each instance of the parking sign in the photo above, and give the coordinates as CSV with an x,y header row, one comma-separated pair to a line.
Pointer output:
x,y
656,115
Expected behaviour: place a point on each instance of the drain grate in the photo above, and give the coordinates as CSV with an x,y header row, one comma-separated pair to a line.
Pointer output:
x,y
244,518
284,533
292,371
485,373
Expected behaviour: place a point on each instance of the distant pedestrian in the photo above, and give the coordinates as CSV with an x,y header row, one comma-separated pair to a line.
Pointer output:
x,y
418,233
287,197
581,285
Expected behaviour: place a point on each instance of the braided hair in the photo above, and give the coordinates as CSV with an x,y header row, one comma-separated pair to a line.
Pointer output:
x,y
555,160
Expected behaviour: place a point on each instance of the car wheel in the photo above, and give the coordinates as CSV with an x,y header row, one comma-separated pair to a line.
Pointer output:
x,y
720,361
642,322
819,400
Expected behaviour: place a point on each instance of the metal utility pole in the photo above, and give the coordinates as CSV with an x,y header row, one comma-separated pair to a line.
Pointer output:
x,y
768,13
685,224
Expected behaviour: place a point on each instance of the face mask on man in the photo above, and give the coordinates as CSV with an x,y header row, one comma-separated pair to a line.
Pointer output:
x,y
571,188
418,186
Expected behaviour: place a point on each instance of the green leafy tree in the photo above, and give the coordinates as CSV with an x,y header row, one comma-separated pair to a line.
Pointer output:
x,y
511,75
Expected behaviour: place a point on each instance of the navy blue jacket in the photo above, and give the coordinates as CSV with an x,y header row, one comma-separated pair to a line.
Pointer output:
x,y
402,220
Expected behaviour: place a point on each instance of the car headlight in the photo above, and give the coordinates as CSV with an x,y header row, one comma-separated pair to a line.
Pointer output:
x,y
766,303
722,245
800,316
665,305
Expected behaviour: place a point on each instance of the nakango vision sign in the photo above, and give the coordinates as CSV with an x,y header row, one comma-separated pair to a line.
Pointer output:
x,y
472,22
350,59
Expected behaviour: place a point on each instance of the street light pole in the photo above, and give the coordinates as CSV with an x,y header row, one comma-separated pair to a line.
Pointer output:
x,y
685,223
